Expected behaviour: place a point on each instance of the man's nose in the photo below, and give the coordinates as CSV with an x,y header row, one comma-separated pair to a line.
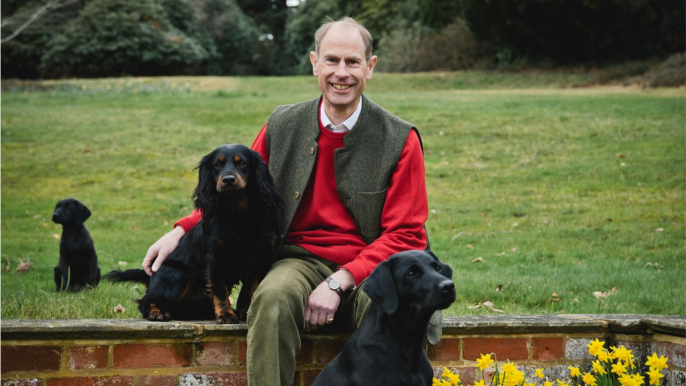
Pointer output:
x,y
342,69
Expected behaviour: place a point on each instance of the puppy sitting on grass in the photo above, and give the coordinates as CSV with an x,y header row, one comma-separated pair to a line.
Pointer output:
x,y
78,266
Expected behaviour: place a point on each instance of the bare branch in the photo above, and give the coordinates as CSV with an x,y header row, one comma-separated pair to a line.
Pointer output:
x,y
48,7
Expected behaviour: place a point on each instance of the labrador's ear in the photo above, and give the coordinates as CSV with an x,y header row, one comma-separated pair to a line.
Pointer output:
x,y
380,287
82,213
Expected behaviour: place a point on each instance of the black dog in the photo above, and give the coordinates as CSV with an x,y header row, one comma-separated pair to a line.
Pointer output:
x,y
78,264
388,347
233,243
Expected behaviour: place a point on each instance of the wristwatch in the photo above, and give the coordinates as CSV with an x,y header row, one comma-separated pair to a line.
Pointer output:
x,y
334,285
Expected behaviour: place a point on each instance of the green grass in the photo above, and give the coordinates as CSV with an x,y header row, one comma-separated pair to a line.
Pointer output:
x,y
559,190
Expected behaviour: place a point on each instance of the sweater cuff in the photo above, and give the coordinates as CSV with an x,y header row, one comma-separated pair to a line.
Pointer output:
x,y
185,223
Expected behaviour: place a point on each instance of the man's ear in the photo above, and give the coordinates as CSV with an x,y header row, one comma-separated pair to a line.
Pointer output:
x,y
314,61
370,67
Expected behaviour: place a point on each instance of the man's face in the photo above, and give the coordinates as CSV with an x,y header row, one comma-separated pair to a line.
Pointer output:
x,y
342,70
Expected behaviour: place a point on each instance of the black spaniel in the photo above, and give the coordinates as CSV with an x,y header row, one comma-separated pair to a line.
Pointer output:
x,y
234,242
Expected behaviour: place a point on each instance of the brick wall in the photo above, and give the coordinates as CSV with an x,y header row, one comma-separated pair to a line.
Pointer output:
x,y
137,352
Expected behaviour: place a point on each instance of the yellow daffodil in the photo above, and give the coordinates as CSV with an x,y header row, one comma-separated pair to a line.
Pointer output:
x,y
574,371
547,383
484,362
509,368
589,379
658,363
655,376
638,379
619,368
560,383
598,368
539,373
454,379
595,347
479,383
626,380
604,356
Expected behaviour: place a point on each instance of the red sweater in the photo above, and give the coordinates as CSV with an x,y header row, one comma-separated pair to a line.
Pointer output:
x,y
325,228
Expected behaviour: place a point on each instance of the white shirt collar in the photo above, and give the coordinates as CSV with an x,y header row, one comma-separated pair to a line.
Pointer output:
x,y
346,126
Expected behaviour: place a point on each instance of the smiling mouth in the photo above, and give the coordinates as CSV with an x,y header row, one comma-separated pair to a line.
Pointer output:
x,y
341,86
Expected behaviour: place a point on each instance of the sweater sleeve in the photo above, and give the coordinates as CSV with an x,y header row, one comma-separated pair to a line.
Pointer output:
x,y
260,146
404,213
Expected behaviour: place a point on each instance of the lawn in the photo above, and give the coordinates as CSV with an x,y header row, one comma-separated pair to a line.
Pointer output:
x,y
541,194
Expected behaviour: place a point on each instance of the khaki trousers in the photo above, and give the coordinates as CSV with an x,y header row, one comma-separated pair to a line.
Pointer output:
x,y
276,319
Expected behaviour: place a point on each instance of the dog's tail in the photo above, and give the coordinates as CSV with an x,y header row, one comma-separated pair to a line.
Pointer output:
x,y
130,275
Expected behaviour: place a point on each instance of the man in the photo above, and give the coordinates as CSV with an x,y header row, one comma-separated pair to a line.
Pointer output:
x,y
351,176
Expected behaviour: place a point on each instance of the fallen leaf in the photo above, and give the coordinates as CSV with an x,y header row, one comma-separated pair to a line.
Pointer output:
x,y
122,263
555,294
470,246
499,288
478,260
599,294
56,236
24,266
660,230
473,307
119,309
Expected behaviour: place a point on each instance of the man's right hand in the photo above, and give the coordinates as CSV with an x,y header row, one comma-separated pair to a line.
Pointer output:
x,y
159,251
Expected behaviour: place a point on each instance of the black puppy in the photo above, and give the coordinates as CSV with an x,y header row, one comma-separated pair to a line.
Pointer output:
x,y
78,266
233,243
388,347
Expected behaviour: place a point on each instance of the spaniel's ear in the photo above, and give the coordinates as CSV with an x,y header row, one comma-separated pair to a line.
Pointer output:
x,y
81,213
265,183
204,194
380,287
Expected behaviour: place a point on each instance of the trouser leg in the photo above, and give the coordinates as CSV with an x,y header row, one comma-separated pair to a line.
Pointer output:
x,y
276,318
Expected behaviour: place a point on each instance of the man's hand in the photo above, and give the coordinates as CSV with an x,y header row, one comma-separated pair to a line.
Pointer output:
x,y
323,301
159,251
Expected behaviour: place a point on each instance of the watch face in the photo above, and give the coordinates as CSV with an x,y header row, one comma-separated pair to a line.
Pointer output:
x,y
333,284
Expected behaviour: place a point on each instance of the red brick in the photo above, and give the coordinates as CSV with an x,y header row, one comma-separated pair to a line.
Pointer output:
x,y
22,382
310,375
326,350
445,350
214,354
242,354
305,355
503,348
548,349
88,357
30,358
119,380
161,380
144,355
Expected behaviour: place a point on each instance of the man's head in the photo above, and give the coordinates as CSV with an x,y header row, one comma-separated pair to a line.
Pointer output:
x,y
343,63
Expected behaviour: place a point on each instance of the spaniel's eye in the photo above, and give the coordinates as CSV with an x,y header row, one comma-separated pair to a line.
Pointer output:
x,y
218,165
242,164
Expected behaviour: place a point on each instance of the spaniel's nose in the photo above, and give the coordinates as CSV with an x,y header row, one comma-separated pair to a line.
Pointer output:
x,y
229,180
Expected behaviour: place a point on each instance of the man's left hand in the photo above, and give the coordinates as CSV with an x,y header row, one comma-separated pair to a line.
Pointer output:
x,y
323,301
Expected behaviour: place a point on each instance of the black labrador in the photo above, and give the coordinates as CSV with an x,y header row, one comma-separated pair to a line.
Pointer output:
x,y
78,265
388,347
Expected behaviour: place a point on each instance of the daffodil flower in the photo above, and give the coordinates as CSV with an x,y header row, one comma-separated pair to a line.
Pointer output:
x,y
595,347
589,379
658,363
539,373
655,376
574,371
598,368
484,362
618,368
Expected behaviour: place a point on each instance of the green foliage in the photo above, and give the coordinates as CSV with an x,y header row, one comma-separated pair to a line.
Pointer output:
x,y
300,30
578,31
122,37
21,56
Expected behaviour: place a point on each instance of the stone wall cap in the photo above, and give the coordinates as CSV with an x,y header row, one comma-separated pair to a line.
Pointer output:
x,y
115,329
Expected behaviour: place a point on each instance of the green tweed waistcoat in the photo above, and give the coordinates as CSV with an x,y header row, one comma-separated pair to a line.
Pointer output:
x,y
363,167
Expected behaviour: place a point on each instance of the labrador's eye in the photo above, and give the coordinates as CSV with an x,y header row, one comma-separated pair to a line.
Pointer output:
x,y
438,268
412,271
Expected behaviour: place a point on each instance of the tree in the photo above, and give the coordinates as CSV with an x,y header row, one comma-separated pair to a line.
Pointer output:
x,y
579,31
122,37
